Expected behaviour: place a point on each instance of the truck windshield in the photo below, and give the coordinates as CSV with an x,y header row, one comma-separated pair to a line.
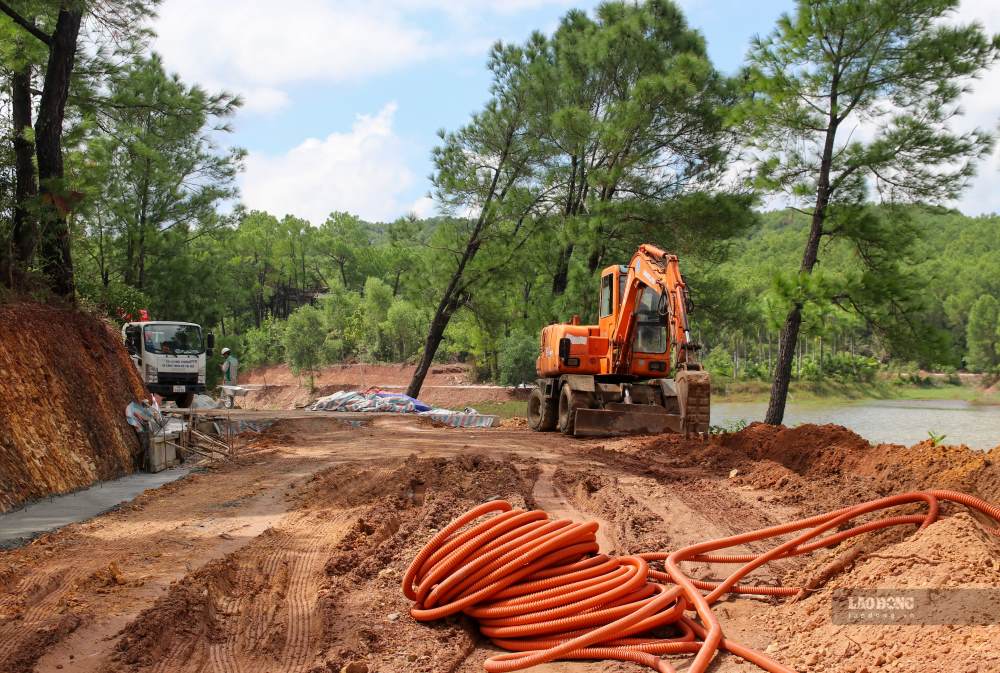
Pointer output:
x,y
175,339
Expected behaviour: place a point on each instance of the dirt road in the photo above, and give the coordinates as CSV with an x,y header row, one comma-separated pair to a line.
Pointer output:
x,y
290,559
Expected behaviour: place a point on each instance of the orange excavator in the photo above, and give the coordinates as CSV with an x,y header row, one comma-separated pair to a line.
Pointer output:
x,y
634,372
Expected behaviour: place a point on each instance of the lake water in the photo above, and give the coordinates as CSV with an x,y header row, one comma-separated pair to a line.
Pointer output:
x,y
884,421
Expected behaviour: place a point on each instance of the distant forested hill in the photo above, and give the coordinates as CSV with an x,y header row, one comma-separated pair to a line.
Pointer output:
x,y
955,265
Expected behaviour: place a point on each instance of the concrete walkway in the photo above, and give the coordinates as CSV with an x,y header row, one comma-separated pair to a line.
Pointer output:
x,y
20,526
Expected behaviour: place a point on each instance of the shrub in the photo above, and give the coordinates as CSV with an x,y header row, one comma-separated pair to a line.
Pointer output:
x,y
342,316
517,359
264,345
403,329
304,338
718,362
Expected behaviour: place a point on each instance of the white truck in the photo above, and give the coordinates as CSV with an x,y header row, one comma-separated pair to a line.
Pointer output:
x,y
170,357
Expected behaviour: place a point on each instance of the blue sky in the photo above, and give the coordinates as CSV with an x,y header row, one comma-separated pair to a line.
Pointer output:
x,y
344,97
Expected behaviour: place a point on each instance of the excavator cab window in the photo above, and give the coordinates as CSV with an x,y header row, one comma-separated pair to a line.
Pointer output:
x,y
607,301
650,332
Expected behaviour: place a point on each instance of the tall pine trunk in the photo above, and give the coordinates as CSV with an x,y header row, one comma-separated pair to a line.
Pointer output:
x,y
434,336
54,250
790,331
450,302
24,235
560,279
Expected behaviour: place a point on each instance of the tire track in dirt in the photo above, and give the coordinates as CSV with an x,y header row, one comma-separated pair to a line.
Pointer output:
x,y
549,498
304,584
255,617
260,608
35,597
48,606
39,604
153,542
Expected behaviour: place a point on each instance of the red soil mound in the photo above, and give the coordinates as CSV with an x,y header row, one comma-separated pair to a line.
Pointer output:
x,y
362,375
954,557
818,467
65,380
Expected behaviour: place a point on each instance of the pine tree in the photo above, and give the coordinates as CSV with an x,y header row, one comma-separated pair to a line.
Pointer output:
x,y
894,68
982,335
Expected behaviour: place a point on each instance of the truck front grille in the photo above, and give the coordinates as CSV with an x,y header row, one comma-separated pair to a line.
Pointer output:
x,y
174,379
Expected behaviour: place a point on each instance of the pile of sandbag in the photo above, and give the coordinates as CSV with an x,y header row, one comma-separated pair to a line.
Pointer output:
x,y
397,403
350,400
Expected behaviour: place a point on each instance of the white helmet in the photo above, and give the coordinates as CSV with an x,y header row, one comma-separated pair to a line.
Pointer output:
x,y
226,351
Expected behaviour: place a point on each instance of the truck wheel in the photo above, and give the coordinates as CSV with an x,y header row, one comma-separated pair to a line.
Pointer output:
x,y
185,400
569,402
542,413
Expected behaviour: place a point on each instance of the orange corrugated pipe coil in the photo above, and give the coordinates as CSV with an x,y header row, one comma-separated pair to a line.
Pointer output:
x,y
541,589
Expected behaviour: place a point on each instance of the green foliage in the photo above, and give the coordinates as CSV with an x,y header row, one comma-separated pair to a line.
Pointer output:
x,y
116,300
982,335
839,367
833,63
402,330
719,362
729,428
936,439
304,338
517,359
155,181
264,345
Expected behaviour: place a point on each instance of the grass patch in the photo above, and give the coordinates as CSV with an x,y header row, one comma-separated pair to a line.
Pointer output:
x,y
727,390
508,409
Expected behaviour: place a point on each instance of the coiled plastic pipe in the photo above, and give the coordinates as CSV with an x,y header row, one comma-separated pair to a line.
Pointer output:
x,y
540,588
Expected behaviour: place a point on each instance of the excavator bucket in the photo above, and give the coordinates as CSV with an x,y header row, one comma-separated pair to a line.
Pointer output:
x,y
625,419
694,396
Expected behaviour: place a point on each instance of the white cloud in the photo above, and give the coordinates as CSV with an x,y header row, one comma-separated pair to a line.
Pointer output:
x,y
423,207
362,171
982,110
256,47
264,100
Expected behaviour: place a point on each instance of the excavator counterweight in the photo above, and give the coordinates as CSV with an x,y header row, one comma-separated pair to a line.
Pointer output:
x,y
614,378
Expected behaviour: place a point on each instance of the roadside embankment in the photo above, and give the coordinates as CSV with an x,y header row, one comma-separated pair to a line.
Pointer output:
x,y
65,380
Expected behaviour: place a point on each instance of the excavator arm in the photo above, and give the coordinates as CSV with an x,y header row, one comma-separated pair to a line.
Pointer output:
x,y
652,270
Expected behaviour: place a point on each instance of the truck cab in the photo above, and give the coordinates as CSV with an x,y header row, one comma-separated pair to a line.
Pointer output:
x,y
170,357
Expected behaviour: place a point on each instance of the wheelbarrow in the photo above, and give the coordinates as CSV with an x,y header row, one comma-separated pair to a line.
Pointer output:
x,y
230,393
